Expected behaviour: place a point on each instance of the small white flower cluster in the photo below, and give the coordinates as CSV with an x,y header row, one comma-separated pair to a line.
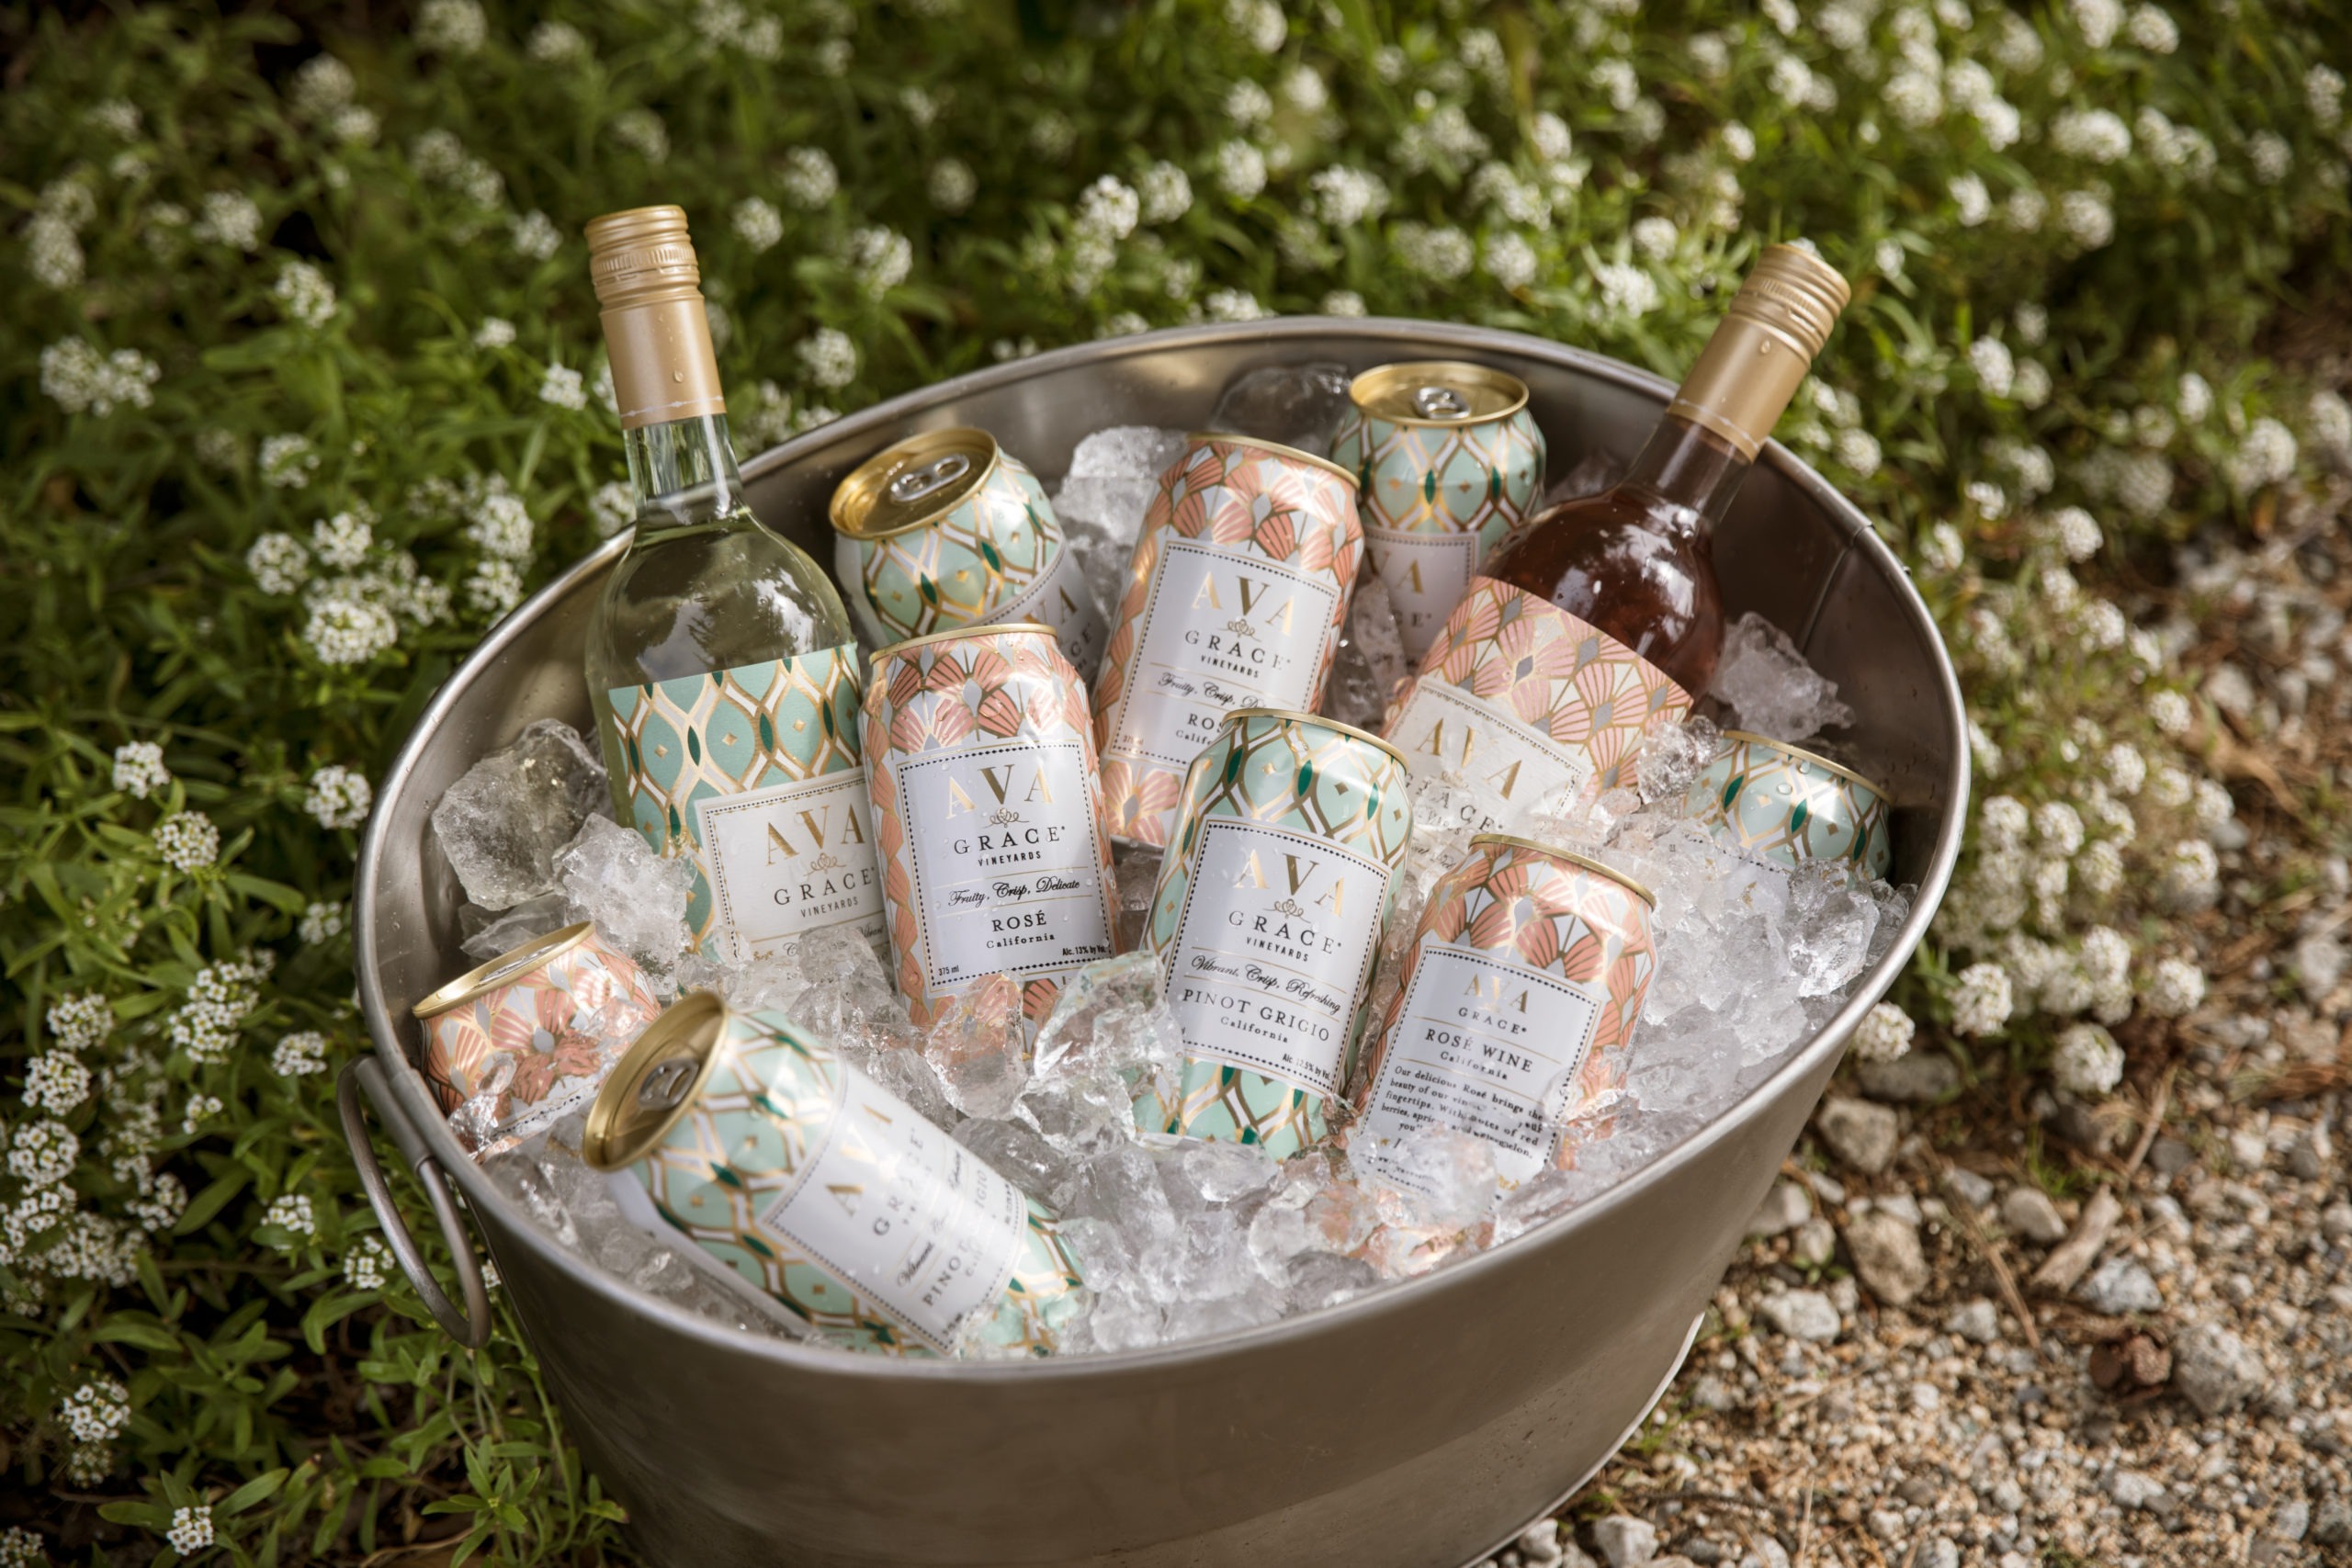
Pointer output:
x,y
612,507
1885,1035
219,1001
828,357
320,922
498,524
21,1548
299,1054
1442,254
1260,23
1166,192
303,293
2174,988
187,841
97,1412
79,1021
757,224
951,184
534,236
342,540
1983,1000
563,387
80,380
2098,136
2088,1062
339,797
1240,170
347,630
2265,455
1343,195
809,180
139,769
291,1212
1234,305
1626,291
41,1154
55,1080
881,258
191,1530
288,461
365,1266
231,219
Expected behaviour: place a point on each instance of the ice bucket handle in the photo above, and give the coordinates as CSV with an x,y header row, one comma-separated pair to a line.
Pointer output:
x,y
470,1327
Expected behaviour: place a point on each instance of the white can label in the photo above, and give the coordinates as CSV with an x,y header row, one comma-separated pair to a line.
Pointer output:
x,y
904,1215
1427,574
1485,1045
1219,631
1273,950
1510,768
1002,854
1061,599
791,858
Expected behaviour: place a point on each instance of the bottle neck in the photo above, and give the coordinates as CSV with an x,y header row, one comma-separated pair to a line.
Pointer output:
x,y
1692,469
684,474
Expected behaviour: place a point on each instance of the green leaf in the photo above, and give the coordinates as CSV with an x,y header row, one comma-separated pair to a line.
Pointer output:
x,y
209,1202
259,1488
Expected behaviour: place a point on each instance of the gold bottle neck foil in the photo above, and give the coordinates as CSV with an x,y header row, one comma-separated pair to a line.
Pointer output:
x,y
1749,371
656,328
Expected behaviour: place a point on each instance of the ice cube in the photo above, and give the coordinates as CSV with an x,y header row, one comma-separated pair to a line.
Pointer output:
x,y
1212,1174
1109,1041
1313,1280
976,1047
1019,1152
1371,660
637,898
1297,405
502,822
1673,756
1113,476
488,934
1769,688
1443,1176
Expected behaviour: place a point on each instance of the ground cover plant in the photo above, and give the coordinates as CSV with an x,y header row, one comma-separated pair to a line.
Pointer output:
x,y
302,389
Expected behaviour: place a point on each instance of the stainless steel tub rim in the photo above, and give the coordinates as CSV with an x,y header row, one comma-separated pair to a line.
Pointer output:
x,y
426,1139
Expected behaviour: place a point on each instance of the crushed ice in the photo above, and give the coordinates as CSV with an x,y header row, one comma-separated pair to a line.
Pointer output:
x,y
1179,1238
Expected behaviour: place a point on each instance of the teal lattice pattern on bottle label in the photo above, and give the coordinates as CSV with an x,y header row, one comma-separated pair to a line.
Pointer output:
x,y
753,775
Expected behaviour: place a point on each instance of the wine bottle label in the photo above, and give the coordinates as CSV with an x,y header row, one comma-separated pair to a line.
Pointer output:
x,y
904,1215
1483,1044
1426,575
1521,700
1004,860
1220,630
1273,950
754,776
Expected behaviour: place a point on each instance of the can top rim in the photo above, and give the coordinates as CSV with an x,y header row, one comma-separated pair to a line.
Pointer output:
x,y
1262,445
1381,382
506,967
953,632
859,498
1599,867
688,1028
1316,719
1815,757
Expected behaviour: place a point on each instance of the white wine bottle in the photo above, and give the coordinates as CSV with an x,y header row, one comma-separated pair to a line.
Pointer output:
x,y
724,675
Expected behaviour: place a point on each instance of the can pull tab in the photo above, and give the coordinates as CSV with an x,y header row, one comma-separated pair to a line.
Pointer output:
x,y
1440,402
913,484
666,1084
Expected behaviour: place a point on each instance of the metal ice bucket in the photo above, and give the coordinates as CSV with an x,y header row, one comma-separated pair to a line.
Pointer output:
x,y
1423,1424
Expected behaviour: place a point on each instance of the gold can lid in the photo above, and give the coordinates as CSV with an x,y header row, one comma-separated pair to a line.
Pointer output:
x,y
1598,867
502,970
1437,391
655,1083
1815,757
1293,715
1793,293
953,634
912,482
1193,438
642,256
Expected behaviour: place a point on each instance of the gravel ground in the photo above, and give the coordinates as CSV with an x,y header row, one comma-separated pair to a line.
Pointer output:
x,y
1975,1324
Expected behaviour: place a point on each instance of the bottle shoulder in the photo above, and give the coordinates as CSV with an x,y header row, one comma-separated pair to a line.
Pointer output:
x,y
685,601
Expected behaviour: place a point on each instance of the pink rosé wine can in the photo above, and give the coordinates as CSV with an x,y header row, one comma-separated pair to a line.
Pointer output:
x,y
526,1034
987,816
1235,599
1514,1009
